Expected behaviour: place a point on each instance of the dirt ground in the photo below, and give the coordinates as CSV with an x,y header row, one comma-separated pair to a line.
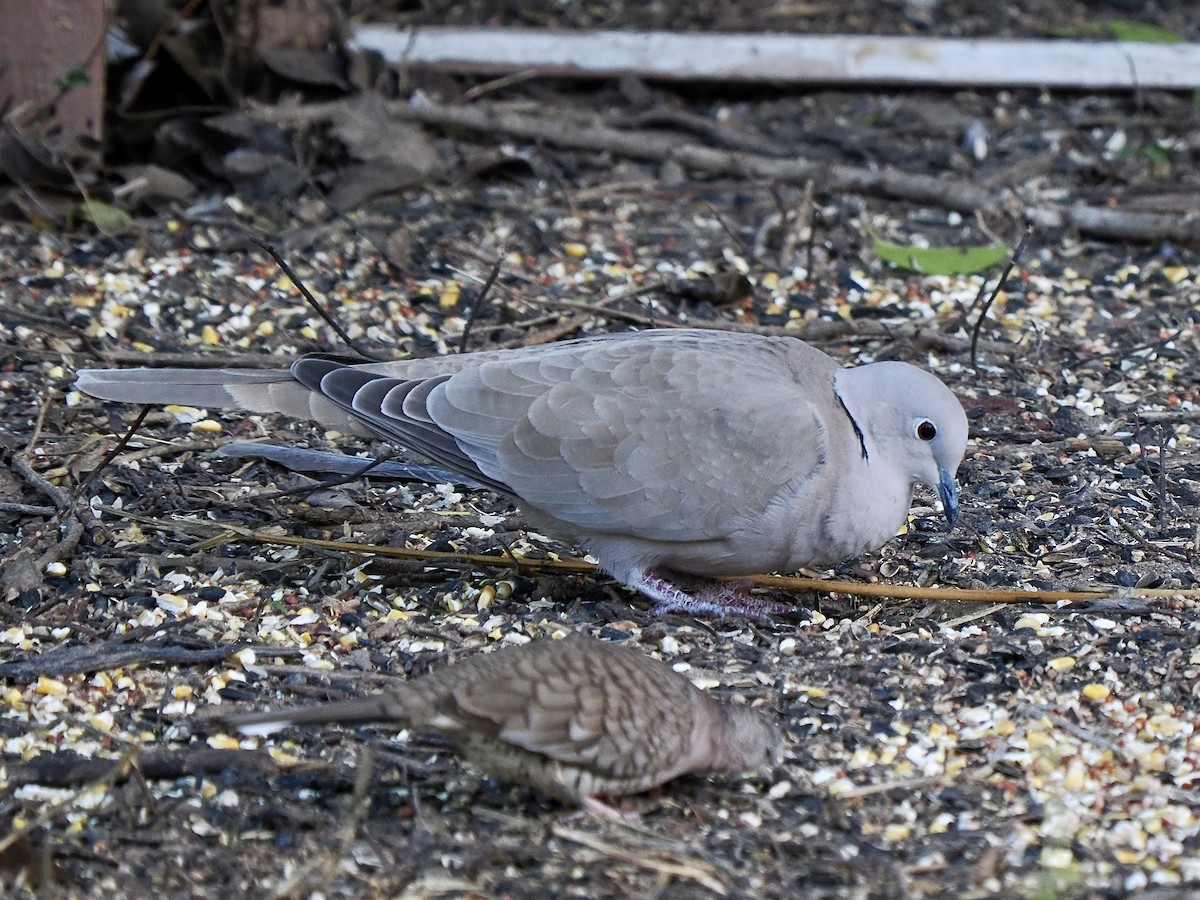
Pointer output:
x,y
935,748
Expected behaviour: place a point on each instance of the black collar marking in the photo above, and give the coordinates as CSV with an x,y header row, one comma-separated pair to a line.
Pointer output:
x,y
857,431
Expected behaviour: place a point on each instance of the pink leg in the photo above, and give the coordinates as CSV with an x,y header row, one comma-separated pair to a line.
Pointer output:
x,y
723,599
600,809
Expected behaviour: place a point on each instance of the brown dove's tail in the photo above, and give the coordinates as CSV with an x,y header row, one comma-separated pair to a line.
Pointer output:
x,y
389,707
252,390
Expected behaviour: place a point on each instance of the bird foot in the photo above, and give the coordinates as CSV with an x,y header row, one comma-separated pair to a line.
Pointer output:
x,y
723,599
602,810
735,597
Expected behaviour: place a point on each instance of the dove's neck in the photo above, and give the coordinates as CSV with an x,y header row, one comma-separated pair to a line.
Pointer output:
x,y
873,490
860,394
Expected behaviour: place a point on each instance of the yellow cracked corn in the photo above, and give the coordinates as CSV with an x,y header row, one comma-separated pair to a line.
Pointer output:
x,y
49,687
450,294
1096,692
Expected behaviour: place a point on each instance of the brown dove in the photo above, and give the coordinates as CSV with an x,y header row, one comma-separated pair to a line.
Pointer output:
x,y
663,453
577,718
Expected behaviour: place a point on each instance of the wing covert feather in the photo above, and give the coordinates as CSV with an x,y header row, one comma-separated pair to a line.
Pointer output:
x,y
589,716
671,436
651,439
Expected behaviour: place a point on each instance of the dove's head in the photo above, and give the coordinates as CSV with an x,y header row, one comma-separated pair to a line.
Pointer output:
x,y
750,741
910,421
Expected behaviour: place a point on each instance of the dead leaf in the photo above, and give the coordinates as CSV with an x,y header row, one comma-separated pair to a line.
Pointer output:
x,y
193,54
393,154
24,864
262,173
497,164
152,185
357,184
315,67
721,289
370,133
297,25
20,574
25,160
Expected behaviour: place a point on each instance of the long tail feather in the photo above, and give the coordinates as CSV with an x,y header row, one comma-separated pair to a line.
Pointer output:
x,y
252,390
387,707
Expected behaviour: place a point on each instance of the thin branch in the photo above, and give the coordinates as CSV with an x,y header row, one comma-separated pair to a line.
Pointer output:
x,y
1150,547
113,453
26,509
475,307
692,869
1012,261
312,301
325,864
118,771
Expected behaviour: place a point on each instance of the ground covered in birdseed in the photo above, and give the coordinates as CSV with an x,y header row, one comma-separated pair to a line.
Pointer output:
x,y
936,747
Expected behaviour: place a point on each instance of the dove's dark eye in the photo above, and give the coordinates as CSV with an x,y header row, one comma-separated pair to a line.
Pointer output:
x,y
926,430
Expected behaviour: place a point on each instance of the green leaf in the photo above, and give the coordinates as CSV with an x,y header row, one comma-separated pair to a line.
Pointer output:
x,y
106,217
940,260
1157,154
74,78
1141,32
1138,32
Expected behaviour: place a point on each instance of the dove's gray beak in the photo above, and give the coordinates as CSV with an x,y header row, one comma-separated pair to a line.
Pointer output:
x,y
948,491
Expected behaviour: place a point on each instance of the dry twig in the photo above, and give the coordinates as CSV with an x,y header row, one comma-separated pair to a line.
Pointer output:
x,y
938,191
692,869
777,582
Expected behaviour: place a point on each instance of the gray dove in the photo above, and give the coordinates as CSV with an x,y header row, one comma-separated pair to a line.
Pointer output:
x,y
577,719
663,453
